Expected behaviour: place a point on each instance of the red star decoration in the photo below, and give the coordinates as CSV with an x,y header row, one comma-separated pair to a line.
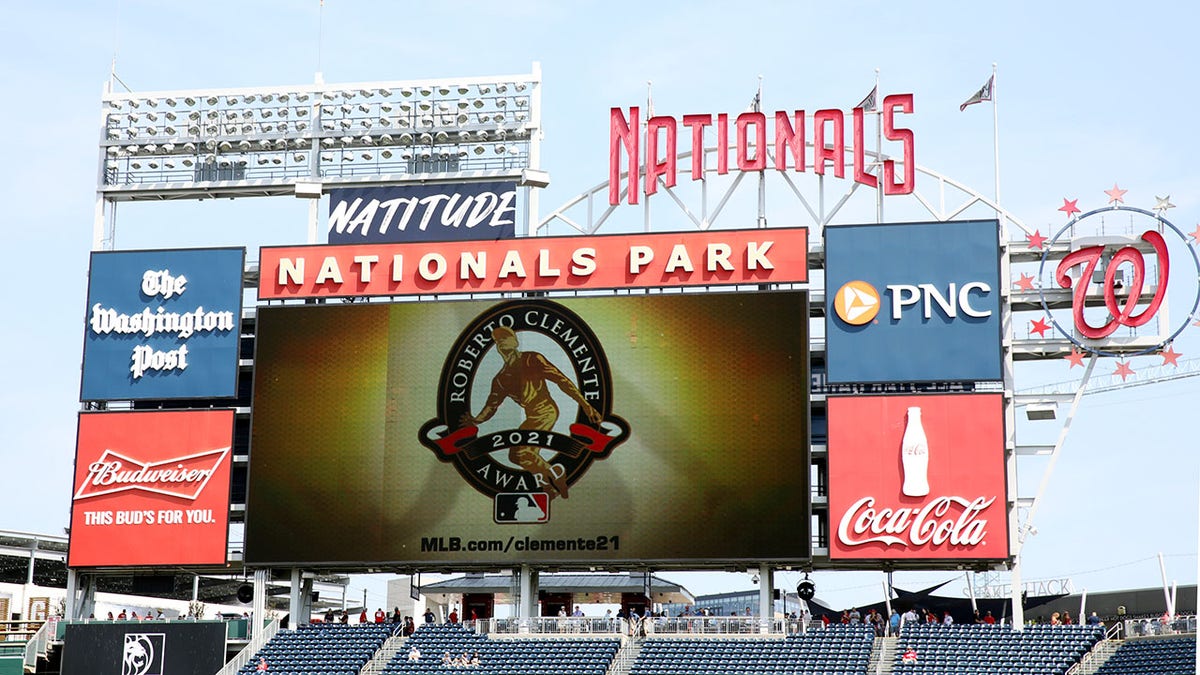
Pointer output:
x,y
1115,195
1170,356
1069,206
1195,234
1036,240
1040,327
1123,370
1025,283
1075,357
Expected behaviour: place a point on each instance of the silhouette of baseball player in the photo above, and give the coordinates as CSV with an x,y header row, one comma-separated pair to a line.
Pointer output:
x,y
523,378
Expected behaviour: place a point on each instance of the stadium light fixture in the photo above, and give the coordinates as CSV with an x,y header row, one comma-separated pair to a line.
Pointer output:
x,y
1041,411
267,133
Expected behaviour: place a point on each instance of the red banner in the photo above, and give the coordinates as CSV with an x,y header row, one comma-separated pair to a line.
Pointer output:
x,y
536,264
151,488
917,478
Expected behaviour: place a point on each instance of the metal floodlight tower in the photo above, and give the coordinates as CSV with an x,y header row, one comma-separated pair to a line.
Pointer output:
x,y
302,140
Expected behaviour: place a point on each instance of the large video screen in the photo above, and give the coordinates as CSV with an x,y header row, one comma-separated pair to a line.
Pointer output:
x,y
659,428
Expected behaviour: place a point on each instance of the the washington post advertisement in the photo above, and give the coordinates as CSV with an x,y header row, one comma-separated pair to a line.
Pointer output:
x,y
650,427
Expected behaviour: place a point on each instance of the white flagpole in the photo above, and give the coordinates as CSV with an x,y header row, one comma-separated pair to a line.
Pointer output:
x,y
996,145
645,152
762,175
878,153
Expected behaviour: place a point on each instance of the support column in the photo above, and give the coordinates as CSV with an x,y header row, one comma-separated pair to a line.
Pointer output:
x,y
72,590
258,610
527,582
295,608
766,597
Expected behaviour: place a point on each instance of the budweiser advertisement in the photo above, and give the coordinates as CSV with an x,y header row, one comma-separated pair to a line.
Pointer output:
x,y
917,477
714,258
151,488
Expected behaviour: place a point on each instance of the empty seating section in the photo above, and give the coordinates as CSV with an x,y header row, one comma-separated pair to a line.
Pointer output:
x,y
993,649
839,649
507,656
1153,656
320,649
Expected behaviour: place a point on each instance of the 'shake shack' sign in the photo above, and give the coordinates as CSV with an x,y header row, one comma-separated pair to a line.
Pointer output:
x,y
713,258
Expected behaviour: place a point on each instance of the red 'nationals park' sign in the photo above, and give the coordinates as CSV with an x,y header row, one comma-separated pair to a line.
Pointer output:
x,y
151,488
711,258
917,477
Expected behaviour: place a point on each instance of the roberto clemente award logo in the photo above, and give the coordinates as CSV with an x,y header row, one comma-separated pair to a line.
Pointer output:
x,y
498,420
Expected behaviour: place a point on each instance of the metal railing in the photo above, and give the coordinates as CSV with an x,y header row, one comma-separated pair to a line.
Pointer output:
x,y
37,644
609,626
257,641
1133,628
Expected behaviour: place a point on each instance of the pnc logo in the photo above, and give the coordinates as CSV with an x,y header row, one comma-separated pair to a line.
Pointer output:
x,y
856,303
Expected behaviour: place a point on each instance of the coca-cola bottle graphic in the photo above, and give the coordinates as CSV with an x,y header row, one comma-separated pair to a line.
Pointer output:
x,y
914,456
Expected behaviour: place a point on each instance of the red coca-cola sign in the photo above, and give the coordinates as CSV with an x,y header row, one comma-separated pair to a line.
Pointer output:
x,y
917,477
151,488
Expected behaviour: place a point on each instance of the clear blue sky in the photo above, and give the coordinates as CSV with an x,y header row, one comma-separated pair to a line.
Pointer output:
x,y
1090,94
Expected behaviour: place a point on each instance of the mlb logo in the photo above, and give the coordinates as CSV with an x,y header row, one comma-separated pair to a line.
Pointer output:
x,y
143,654
522,507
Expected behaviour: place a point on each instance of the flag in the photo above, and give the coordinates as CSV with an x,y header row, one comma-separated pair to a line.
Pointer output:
x,y
868,104
984,94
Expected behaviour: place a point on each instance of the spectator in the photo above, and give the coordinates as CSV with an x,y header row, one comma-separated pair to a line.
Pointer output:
x,y
845,616
409,626
978,618
362,618
397,617
910,656
262,665
453,618
947,620
344,619
989,619
1054,620
329,615
110,616
909,617
474,617
429,617
414,654
855,616
1066,619
133,616
894,622
825,620
931,618
380,615
1093,620
122,616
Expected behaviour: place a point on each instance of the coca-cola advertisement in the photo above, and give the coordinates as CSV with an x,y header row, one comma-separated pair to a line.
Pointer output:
x,y
917,477
151,488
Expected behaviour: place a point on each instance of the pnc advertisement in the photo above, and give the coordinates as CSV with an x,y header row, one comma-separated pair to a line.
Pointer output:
x,y
151,488
917,477
162,324
913,302
654,427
